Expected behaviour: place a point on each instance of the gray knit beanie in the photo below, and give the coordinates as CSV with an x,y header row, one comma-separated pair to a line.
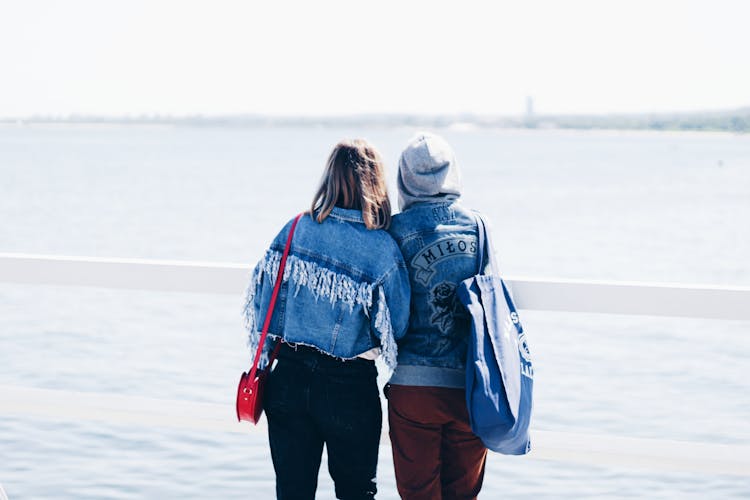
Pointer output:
x,y
427,171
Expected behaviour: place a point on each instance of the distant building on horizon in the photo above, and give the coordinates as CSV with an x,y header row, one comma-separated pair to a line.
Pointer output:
x,y
529,119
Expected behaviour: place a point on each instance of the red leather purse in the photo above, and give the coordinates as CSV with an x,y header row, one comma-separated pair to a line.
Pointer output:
x,y
250,389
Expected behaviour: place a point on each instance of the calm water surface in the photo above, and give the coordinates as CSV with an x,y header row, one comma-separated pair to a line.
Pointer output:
x,y
635,206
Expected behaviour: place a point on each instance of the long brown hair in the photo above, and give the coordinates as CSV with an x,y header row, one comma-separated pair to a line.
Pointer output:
x,y
354,178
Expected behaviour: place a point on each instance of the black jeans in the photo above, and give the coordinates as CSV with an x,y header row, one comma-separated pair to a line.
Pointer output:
x,y
312,398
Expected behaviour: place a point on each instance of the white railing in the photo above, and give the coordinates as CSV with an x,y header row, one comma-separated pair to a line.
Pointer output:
x,y
691,301
729,303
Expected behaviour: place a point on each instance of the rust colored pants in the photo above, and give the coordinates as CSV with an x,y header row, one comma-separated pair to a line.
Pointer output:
x,y
435,454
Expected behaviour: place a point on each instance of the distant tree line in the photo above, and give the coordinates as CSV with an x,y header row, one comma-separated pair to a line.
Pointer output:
x,y
726,121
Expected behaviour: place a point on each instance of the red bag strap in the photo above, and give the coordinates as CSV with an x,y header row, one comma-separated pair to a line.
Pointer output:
x,y
272,304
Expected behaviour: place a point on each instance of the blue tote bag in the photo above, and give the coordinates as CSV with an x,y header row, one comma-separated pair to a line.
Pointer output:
x,y
499,373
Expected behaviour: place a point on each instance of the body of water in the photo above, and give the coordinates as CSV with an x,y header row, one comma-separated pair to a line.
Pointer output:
x,y
659,207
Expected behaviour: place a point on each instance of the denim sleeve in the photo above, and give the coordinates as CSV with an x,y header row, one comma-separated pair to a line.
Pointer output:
x,y
260,280
252,312
391,303
398,296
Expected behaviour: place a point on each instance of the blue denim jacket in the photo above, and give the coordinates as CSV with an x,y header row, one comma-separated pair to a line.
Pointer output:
x,y
439,243
345,289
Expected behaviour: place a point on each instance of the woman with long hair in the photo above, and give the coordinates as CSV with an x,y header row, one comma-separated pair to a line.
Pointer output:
x,y
344,300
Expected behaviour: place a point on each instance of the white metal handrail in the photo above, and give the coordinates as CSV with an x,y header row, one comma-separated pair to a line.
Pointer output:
x,y
693,301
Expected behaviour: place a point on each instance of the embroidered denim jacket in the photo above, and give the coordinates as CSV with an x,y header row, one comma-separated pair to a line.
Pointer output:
x,y
439,244
345,289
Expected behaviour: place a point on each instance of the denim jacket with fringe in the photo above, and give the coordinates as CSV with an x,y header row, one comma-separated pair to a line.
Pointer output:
x,y
345,289
439,243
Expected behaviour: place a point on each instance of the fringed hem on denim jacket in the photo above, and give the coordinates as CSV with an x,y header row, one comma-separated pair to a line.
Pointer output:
x,y
323,283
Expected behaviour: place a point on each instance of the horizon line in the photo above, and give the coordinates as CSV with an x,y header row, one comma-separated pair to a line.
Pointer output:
x,y
76,116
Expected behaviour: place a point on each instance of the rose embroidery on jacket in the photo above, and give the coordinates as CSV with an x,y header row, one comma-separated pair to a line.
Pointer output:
x,y
446,309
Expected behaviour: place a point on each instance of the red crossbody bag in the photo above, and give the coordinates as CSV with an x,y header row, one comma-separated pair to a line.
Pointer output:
x,y
250,389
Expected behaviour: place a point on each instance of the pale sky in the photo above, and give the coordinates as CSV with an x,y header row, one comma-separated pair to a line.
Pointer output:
x,y
341,57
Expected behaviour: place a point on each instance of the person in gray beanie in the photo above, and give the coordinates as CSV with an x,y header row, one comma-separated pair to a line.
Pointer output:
x,y
427,171
435,453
